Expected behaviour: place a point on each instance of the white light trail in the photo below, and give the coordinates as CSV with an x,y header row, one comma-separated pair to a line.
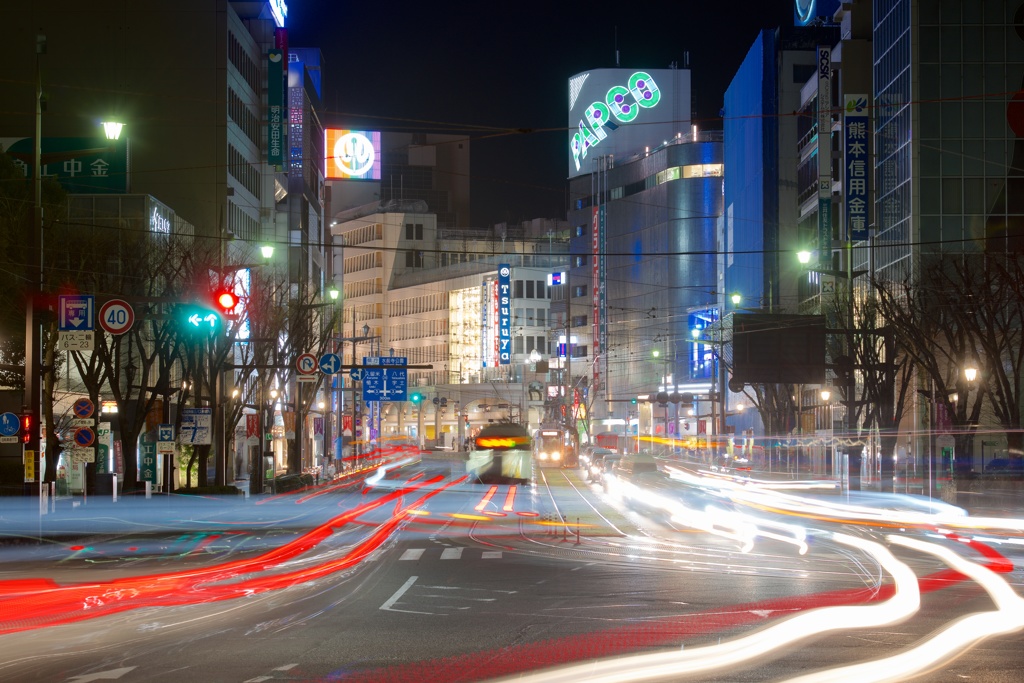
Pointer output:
x,y
905,602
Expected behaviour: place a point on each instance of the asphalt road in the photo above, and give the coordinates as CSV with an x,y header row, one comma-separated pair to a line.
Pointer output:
x,y
463,583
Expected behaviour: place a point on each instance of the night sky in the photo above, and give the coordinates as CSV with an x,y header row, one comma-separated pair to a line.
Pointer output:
x,y
499,72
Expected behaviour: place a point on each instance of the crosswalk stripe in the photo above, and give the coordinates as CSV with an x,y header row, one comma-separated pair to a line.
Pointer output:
x,y
412,554
491,555
451,554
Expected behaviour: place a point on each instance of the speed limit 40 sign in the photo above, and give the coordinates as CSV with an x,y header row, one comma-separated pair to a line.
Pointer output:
x,y
116,316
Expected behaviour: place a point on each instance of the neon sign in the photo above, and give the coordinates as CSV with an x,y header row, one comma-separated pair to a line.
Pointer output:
x,y
504,314
352,154
623,103
279,10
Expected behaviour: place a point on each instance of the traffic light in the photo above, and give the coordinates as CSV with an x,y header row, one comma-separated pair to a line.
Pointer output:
x,y
26,427
199,319
226,300
416,398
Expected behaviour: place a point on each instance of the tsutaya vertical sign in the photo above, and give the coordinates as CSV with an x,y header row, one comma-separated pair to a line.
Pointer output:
x,y
275,108
504,314
824,155
856,184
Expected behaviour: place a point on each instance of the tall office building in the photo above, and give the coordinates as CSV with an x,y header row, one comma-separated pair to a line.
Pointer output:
x,y
762,212
949,132
195,110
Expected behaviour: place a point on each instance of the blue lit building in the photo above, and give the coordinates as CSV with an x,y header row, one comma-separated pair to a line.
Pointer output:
x,y
658,213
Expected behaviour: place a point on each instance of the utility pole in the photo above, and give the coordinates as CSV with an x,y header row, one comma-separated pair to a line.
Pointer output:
x,y
33,338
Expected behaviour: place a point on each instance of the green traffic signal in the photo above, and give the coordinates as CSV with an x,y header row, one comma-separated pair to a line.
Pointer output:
x,y
198,319
416,398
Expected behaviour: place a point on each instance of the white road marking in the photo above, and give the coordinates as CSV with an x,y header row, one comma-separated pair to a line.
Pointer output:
x,y
491,555
287,667
451,553
412,554
388,605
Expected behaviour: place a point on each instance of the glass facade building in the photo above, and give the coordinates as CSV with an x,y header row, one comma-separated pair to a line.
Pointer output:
x,y
948,127
651,224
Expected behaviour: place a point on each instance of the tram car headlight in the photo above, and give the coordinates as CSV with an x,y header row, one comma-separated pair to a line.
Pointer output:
x,y
555,455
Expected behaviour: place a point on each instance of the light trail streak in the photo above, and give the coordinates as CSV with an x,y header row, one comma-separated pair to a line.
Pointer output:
x,y
34,603
905,601
947,643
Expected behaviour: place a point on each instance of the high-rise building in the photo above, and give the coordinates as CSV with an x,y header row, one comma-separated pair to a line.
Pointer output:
x,y
645,201
195,111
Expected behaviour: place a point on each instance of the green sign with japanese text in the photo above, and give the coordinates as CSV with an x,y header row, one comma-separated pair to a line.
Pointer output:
x,y
80,165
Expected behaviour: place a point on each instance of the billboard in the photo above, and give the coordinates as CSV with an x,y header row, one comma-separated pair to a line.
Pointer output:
x,y
351,154
769,348
856,161
275,108
624,112
504,314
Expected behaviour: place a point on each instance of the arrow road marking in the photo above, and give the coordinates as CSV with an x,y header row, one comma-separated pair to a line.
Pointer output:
x,y
388,605
109,675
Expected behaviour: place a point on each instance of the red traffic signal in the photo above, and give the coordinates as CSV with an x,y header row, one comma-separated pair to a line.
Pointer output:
x,y
26,428
226,300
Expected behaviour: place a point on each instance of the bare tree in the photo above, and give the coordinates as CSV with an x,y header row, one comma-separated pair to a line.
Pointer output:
x,y
940,320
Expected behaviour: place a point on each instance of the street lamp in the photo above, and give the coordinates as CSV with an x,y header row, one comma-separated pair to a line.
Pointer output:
x,y
112,129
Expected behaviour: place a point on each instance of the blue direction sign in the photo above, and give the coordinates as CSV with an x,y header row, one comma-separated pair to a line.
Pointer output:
x,y
385,360
356,374
385,384
9,424
330,364
76,312
165,432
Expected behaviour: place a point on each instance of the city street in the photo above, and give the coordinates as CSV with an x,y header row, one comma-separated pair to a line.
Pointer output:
x,y
419,576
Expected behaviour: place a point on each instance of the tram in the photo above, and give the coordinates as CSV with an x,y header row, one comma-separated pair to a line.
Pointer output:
x,y
556,446
503,454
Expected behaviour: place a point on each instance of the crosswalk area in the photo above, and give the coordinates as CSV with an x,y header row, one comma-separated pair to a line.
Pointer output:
x,y
450,553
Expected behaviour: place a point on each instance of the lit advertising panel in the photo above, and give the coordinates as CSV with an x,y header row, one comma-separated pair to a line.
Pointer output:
x,y
504,314
352,154
622,112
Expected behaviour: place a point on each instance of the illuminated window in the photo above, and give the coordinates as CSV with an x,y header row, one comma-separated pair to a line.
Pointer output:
x,y
703,171
668,174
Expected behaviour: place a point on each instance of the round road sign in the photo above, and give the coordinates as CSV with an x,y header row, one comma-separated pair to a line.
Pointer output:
x,y
83,408
84,437
306,364
117,316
